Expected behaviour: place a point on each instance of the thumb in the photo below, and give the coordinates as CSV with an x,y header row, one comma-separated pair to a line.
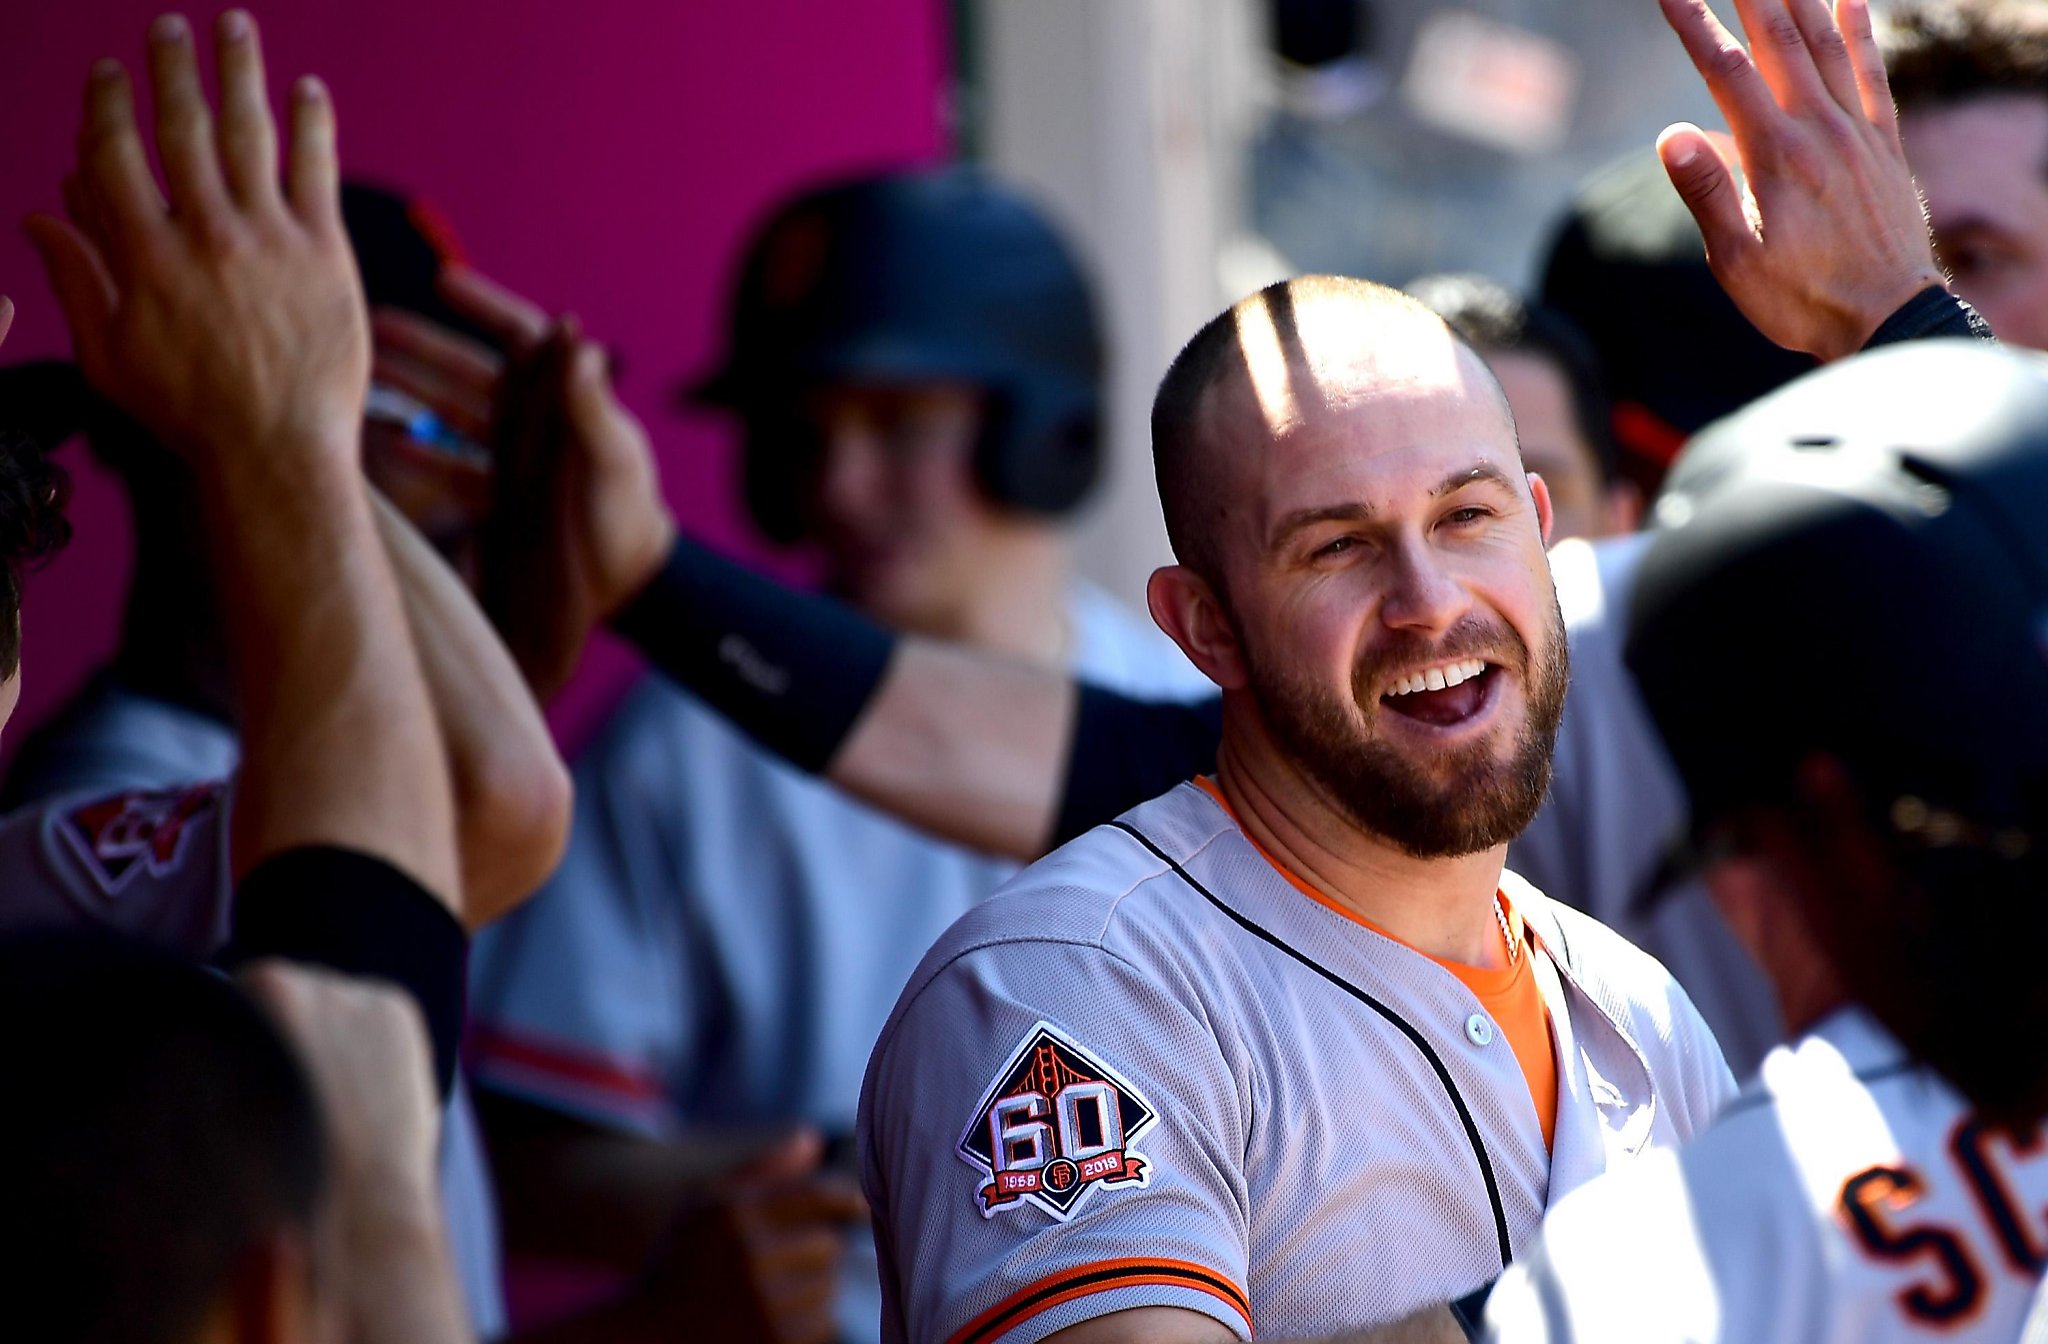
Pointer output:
x,y
84,290
1705,182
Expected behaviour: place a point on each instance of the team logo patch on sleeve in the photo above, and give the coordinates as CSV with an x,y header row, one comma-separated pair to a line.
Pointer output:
x,y
1055,1124
117,838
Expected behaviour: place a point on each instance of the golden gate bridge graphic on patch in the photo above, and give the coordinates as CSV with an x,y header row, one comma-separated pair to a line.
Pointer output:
x,y
1055,1124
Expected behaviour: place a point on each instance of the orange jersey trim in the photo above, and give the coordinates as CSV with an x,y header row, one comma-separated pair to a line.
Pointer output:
x,y
1510,993
1100,1277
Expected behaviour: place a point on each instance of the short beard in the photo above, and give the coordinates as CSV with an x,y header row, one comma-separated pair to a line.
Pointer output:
x,y
1473,805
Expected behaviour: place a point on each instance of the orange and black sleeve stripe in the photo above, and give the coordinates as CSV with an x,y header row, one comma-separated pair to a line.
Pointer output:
x,y
1100,1277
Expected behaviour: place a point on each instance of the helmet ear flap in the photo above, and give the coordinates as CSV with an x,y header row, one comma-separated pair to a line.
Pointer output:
x,y
1044,463
777,455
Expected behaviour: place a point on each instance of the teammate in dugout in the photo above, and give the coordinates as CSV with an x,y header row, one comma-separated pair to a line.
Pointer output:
x,y
221,309
1071,1115
1879,844
119,806
916,363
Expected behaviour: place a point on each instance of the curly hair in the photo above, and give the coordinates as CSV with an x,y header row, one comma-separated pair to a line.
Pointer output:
x,y
42,404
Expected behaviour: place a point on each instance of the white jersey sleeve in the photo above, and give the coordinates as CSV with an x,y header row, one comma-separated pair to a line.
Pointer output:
x,y
1051,1134
149,863
1618,1261
1848,1197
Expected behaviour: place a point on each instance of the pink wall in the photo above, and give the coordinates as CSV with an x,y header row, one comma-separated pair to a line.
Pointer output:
x,y
604,156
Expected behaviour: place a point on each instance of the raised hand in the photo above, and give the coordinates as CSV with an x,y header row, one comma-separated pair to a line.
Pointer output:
x,y
1825,234
223,311
578,524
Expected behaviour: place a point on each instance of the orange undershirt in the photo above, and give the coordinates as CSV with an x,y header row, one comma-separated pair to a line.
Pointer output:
x,y
1510,994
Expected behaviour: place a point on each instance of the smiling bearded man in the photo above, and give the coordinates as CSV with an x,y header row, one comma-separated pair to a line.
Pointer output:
x,y
1287,1048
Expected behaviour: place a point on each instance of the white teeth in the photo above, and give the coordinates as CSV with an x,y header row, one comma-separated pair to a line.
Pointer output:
x,y
1439,678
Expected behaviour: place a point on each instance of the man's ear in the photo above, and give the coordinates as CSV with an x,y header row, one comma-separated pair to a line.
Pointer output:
x,y
1539,490
1193,616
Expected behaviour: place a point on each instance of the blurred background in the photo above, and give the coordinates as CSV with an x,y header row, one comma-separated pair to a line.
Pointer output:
x,y
609,157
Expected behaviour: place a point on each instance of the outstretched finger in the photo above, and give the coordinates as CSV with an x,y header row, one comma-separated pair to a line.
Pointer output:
x,y
516,323
474,367
113,171
314,177
6,315
78,206
1706,183
85,292
1873,85
1738,88
184,123
248,134
1778,44
1829,52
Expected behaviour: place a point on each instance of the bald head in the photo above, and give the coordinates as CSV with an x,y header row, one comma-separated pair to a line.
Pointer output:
x,y
1294,354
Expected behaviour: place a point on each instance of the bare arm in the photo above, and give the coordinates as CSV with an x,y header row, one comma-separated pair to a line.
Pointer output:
x,y
966,745
511,790
381,1228
1171,1325
230,322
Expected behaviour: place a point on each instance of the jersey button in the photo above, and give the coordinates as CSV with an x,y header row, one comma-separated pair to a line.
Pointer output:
x,y
1478,1030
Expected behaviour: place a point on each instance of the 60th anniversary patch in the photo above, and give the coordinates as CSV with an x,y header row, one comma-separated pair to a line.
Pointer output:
x,y
1056,1123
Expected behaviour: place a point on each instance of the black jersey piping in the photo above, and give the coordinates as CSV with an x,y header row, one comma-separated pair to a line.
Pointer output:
x,y
1443,1074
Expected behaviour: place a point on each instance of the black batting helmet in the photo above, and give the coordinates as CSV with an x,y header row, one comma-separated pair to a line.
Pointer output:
x,y
909,276
1861,572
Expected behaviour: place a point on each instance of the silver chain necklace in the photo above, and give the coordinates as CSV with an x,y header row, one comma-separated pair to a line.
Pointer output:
x,y
1507,934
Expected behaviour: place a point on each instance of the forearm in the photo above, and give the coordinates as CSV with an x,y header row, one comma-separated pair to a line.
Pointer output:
x,y
401,1282
340,745
1174,1325
511,791
967,746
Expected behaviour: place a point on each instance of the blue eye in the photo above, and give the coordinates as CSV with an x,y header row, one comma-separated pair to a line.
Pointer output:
x,y
1468,514
1337,546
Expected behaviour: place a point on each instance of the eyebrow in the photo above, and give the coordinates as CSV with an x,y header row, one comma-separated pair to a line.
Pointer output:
x,y
1484,471
1359,511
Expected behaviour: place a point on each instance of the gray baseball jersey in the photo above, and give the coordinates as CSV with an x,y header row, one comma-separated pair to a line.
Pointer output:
x,y
1152,1072
126,829
1847,1195
726,933
1616,805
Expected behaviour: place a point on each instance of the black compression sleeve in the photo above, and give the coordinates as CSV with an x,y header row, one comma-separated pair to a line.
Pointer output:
x,y
1126,751
1932,312
359,915
790,670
